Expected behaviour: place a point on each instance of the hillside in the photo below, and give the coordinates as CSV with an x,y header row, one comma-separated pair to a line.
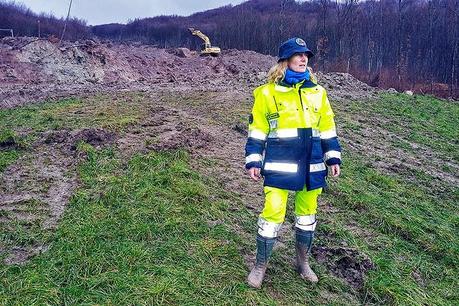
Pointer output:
x,y
122,183
407,45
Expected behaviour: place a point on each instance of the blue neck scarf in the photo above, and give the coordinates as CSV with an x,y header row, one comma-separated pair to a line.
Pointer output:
x,y
292,77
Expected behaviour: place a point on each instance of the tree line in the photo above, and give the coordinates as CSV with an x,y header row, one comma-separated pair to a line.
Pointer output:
x,y
24,22
405,44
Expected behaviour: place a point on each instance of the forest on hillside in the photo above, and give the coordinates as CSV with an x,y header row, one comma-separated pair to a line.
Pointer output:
x,y
24,22
405,44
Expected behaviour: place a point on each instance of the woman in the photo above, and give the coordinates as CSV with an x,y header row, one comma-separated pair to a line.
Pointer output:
x,y
292,124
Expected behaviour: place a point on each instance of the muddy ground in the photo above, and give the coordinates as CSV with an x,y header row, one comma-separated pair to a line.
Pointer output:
x,y
45,177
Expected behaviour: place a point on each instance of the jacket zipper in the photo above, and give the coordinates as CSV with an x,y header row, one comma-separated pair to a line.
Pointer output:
x,y
301,99
275,102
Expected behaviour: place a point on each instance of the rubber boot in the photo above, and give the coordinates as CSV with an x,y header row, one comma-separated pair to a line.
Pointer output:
x,y
303,248
264,249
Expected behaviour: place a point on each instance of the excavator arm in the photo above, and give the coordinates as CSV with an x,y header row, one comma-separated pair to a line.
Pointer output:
x,y
207,47
200,35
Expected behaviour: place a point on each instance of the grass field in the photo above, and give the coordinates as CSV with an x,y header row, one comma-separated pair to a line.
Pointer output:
x,y
151,229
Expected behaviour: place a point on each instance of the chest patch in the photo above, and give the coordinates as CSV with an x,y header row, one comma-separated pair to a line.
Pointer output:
x,y
273,116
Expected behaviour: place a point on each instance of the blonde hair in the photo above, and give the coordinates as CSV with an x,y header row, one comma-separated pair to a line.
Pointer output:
x,y
277,72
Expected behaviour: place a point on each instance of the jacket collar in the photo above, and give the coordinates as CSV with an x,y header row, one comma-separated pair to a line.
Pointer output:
x,y
284,87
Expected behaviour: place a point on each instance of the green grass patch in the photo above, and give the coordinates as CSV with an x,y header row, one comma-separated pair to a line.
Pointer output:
x,y
420,119
150,230
139,233
10,146
408,232
7,158
111,112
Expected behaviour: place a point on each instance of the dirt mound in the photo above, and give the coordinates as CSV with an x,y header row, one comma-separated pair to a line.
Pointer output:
x,y
34,69
344,262
186,138
70,139
95,137
29,66
345,86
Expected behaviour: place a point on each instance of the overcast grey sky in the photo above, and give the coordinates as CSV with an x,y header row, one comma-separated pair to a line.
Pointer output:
x,y
107,11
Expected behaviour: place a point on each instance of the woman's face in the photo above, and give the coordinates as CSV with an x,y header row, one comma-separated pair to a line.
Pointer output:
x,y
298,62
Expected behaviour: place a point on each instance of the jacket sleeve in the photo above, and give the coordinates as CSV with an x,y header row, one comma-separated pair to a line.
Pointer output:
x,y
328,137
258,131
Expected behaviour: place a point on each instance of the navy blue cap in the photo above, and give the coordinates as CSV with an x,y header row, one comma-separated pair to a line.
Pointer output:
x,y
292,46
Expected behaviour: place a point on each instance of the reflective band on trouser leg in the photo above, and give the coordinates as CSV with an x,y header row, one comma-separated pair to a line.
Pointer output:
x,y
268,229
306,223
332,154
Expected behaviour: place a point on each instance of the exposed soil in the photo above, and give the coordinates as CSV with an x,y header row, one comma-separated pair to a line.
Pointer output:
x,y
68,140
35,69
8,144
36,189
346,263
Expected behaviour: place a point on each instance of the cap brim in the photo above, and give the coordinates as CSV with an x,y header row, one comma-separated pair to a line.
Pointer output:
x,y
307,51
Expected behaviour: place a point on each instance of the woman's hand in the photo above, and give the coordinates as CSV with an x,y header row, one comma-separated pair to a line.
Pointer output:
x,y
335,170
254,173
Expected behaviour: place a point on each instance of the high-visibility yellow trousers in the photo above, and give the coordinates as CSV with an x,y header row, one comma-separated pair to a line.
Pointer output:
x,y
273,215
276,203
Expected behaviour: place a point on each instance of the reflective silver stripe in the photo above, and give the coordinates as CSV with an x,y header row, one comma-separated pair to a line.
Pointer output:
x,y
282,167
257,134
283,133
317,167
315,133
253,158
328,134
332,154
306,223
268,229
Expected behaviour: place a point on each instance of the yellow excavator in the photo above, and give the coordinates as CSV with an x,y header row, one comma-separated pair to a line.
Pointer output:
x,y
206,48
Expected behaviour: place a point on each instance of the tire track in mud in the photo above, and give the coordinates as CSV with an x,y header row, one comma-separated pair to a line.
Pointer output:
x,y
35,190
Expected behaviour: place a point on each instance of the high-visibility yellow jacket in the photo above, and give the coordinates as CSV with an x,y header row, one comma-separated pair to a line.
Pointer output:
x,y
292,135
